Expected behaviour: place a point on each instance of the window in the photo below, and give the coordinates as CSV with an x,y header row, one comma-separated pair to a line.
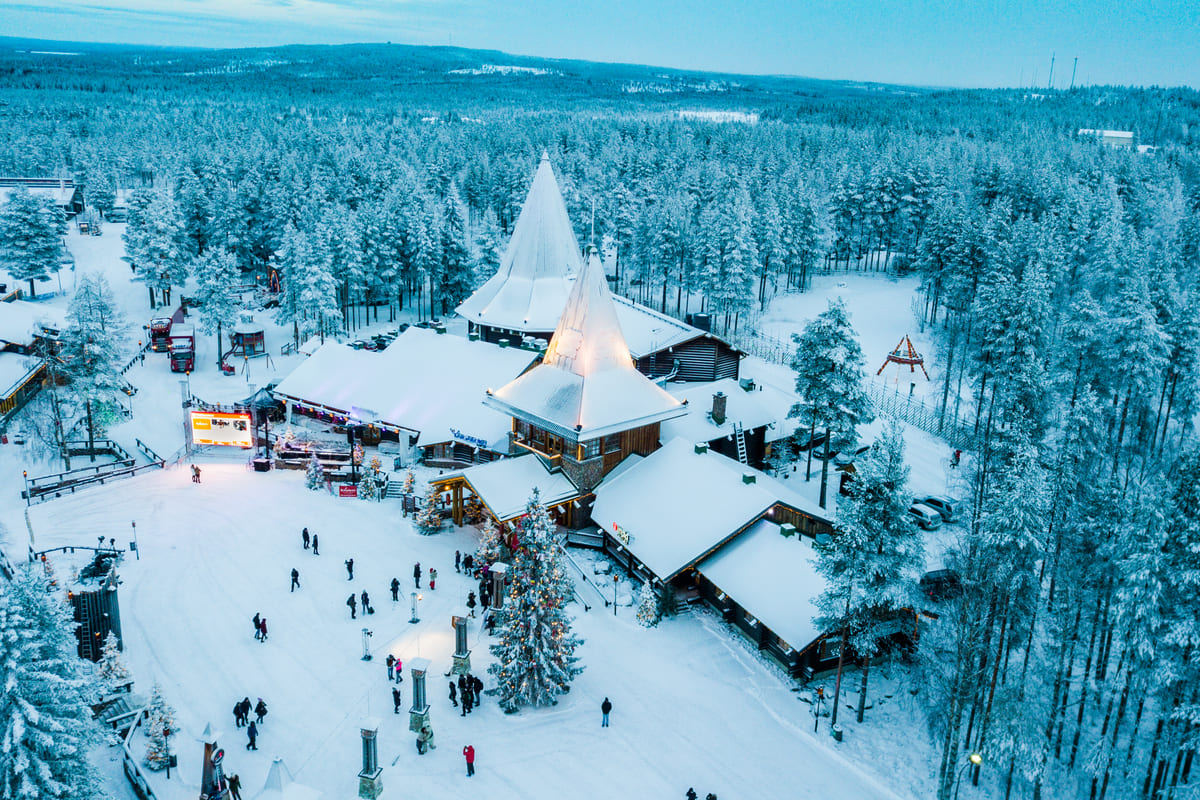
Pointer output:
x,y
612,444
589,449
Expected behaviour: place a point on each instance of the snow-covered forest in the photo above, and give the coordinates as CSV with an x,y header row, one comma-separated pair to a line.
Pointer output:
x,y
1061,279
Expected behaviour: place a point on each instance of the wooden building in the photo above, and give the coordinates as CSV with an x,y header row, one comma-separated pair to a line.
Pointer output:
x,y
62,191
94,604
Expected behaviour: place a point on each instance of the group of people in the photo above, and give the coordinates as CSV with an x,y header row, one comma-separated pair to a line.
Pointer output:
x,y
304,537
691,795
241,716
467,693
260,626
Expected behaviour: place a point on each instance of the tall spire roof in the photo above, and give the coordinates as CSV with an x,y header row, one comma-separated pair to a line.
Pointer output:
x,y
587,385
529,289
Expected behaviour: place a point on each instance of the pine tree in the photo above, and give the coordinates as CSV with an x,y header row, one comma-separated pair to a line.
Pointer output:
x,y
368,484
216,273
491,548
535,657
314,476
31,231
649,610
46,727
429,518
829,377
160,727
457,270
410,482
112,670
156,244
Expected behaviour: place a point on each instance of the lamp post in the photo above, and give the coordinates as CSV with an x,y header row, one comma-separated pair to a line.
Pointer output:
x,y
25,475
616,580
366,643
415,599
973,760
817,708
136,551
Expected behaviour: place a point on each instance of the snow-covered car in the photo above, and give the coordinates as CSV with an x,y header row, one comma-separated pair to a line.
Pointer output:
x,y
925,516
948,507
941,584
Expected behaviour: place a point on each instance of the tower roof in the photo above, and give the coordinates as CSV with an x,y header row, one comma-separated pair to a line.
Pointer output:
x,y
529,289
587,385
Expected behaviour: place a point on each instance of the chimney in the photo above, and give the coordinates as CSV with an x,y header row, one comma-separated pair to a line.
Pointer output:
x,y
749,477
718,408
473,336
701,448
503,343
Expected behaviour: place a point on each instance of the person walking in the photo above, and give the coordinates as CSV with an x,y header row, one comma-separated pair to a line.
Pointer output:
x,y
469,755
235,786
485,599
432,579
457,560
453,694
350,569
262,629
391,667
691,794
257,624
252,734
471,602
395,590
366,602
305,538
396,699
315,543
425,739
295,579
417,575
197,468
605,710
399,670
350,601
476,690
237,714
260,711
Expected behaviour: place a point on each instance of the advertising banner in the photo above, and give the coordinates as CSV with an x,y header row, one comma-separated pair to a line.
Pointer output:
x,y
221,428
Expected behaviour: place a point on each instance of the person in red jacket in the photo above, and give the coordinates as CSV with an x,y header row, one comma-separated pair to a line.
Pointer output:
x,y
469,754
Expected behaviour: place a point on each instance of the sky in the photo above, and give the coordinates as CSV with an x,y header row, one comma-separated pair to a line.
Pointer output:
x,y
979,43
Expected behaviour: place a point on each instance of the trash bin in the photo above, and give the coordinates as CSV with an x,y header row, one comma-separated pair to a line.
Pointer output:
x,y
837,733
262,464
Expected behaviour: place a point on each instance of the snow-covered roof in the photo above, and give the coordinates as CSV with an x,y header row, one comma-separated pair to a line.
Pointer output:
x,y
678,505
1106,134
647,331
20,321
587,385
14,369
424,381
505,485
698,425
528,291
61,195
773,577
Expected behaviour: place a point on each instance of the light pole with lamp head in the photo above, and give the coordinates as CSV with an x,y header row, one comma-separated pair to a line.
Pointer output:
x,y
973,760
416,598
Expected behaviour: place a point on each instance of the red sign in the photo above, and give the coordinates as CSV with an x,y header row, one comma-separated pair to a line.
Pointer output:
x,y
347,490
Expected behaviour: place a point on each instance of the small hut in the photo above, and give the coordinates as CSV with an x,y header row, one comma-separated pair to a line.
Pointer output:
x,y
248,339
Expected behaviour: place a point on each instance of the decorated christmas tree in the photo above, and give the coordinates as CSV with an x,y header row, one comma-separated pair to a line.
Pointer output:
x,y
535,655
490,546
282,442
475,510
429,518
368,485
160,727
356,455
410,481
112,669
648,611
314,477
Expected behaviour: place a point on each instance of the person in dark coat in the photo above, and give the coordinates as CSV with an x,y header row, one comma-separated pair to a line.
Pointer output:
x,y
235,786
260,711
491,624
353,603
350,569
465,697
605,709
476,689
395,590
257,624
453,694
366,601
468,561
417,575
252,734
485,599
469,755
237,714
315,543
710,796
295,579
262,629
457,561
396,700
691,794
391,666
304,537
471,602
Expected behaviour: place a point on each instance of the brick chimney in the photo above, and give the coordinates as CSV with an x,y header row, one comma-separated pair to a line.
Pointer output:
x,y
718,408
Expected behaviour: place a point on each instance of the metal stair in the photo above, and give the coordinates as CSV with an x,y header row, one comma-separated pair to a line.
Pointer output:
x,y
739,436
394,489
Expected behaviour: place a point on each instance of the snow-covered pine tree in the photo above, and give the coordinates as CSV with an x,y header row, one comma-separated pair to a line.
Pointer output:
x,y
31,231
829,375
216,273
368,484
457,269
490,546
488,246
314,476
429,518
281,442
46,727
410,482
160,727
156,244
89,351
648,610
535,654
111,669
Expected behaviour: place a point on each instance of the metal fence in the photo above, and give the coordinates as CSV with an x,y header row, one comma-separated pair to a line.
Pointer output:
x,y
768,348
957,431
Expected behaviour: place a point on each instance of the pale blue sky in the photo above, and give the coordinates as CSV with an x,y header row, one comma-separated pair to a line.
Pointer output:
x,y
941,42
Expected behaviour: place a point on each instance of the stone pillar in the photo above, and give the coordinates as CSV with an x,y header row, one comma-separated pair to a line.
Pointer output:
x,y
418,715
498,571
370,778
462,656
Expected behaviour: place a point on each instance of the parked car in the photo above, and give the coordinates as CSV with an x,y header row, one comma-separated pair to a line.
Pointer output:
x,y
948,507
925,516
849,457
941,584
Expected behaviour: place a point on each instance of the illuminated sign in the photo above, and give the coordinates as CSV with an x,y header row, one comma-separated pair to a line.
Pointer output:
x,y
214,427
623,536
471,440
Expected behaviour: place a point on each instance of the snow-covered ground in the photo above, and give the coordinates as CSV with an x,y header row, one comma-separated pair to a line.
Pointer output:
x,y
695,705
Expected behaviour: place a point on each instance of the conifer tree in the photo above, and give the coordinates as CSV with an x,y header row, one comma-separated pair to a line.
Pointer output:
x,y
112,669
410,482
429,518
491,548
368,484
156,244
216,273
535,657
31,231
314,476
46,727
648,611
160,727
89,349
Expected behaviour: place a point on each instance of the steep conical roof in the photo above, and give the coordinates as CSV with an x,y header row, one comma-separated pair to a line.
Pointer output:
x,y
529,290
587,385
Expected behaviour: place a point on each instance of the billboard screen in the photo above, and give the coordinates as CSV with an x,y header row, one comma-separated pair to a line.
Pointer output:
x,y
214,427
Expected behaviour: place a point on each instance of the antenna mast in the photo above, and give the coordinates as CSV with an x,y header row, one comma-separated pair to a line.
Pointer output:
x,y
1050,80
1073,66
